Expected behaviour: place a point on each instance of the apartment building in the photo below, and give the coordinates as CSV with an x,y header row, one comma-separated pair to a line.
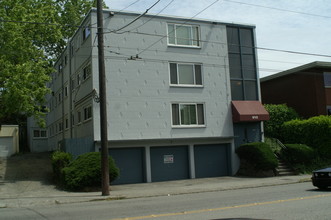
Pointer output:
x,y
182,94
306,88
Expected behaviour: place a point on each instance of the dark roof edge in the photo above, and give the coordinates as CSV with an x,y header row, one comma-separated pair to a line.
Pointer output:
x,y
315,64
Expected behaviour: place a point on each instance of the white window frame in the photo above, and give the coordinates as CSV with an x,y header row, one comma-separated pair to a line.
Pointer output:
x,y
192,40
197,113
194,65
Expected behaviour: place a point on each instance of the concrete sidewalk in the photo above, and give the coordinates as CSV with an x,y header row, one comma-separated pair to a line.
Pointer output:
x,y
35,193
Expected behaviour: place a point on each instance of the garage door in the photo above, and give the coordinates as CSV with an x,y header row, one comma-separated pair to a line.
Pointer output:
x,y
169,163
130,161
6,146
211,160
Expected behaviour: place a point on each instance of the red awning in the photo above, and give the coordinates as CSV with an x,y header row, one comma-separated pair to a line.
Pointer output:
x,y
248,111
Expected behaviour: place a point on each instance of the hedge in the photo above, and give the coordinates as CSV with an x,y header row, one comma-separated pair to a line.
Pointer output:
x,y
85,172
60,160
314,132
298,154
259,154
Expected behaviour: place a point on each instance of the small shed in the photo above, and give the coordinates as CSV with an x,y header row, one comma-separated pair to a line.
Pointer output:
x,y
9,140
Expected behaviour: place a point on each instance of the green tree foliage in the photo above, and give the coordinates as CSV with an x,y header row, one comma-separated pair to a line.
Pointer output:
x,y
278,115
32,34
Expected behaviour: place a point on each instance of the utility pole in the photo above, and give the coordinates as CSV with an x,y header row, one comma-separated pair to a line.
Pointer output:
x,y
103,104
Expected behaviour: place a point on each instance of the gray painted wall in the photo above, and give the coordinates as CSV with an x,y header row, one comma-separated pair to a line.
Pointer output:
x,y
139,91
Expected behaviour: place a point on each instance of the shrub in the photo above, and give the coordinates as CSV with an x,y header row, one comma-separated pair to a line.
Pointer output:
x,y
298,154
259,154
314,132
60,160
85,171
278,115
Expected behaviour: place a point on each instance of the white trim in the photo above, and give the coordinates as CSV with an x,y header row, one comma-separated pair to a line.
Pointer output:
x,y
193,64
197,115
183,45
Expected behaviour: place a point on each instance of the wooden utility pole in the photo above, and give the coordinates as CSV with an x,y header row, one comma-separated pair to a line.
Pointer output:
x,y
103,104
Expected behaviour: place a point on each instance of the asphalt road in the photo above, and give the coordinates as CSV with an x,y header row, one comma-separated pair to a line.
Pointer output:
x,y
293,201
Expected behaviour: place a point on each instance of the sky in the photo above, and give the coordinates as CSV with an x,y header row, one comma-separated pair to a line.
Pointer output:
x,y
295,26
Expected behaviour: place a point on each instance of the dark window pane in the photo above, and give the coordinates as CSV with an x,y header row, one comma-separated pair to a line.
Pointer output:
x,y
246,40
171,34
198,76
173,73
201,116
233,39
249,67
175,114
237,90
36,133
235,66
251,90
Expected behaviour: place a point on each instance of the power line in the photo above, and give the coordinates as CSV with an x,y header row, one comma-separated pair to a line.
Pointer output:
x,y
279,9
215,42
148,19
138,16
184,23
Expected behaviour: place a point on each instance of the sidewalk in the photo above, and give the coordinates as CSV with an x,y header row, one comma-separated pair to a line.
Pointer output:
x,y
36,193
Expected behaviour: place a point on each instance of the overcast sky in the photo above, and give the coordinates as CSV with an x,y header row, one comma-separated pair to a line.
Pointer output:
x,y
302,26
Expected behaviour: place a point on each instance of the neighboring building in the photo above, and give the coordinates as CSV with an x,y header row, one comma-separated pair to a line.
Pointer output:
x,y
9,140
306,88
170,86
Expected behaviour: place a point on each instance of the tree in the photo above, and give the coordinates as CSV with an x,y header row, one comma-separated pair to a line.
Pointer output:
x,y
32,35
278,115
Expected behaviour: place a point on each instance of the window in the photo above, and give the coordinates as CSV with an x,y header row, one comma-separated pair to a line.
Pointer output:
x,y
72,84
327,80
188,114
78,79
183,35
79,117
86,32
60,126
185,74
66,91
87,113
87,72
242,63
65,60
328,109
60,97
39,133
67,123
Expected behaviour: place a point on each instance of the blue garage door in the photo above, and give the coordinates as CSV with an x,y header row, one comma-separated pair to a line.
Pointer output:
x,y
211,160
130,161
169,163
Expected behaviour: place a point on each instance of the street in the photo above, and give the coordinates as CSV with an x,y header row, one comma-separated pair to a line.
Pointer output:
x,y
293,201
